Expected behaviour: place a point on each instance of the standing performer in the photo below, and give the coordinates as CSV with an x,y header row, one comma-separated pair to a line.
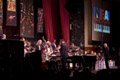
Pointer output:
x,y
39,45
64,53
106,54
53,45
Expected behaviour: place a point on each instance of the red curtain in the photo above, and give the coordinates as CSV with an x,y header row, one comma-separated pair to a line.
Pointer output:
x,y
55,15
51,19
64,16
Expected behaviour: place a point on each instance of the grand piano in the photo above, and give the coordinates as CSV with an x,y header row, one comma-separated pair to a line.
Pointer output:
x,y
82,61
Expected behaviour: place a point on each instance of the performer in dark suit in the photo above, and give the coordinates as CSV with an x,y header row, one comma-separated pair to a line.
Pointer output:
x,y
53,45
64,53
106,54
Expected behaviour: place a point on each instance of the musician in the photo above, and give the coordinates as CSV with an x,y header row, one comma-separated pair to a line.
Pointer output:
x,y
81,52
41,48
106,54
64,53
29,48
53,45
38,45
24,40
48,48
25,45
48,55
44,42
100,57
74,49
93,53
57,48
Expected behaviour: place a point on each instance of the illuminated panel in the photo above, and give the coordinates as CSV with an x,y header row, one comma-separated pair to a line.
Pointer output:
x,y
11,13
101,30
1,16
40,20
27,18
101,20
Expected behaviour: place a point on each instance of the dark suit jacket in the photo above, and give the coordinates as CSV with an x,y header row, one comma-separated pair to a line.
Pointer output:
x,y
64,50
106,52
37,47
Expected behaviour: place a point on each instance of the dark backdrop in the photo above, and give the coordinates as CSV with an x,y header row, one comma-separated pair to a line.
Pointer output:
x,y
77,21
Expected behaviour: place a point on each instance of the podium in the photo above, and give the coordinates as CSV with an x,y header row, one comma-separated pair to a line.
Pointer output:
x,y
11,59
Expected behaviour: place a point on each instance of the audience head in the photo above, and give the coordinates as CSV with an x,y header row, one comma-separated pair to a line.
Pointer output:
x,y
3,36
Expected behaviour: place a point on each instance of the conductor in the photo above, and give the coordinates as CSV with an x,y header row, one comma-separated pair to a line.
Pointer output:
x,y
64,53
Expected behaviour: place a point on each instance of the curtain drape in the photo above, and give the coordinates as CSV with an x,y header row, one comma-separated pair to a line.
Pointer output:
x,y
64,17
51,19
56,17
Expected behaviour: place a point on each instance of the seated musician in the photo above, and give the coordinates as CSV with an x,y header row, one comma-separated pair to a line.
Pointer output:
x,y
48,50
100,63
44,42
56,52
57,48
24,40
29,48
88,53
25,45
81,52
73,49
93,53
100,57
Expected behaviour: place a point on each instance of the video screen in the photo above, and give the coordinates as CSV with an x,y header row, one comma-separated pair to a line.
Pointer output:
x,y
101,20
